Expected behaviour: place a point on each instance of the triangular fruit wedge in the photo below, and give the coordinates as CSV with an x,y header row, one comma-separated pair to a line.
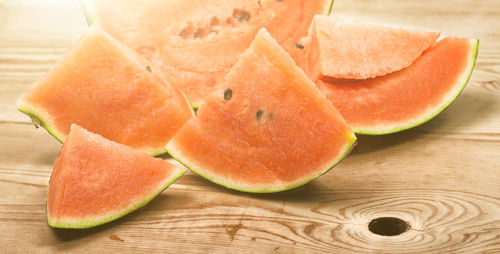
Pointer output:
x,y
409,97
356,50
96,180
195,43
108,89
270,129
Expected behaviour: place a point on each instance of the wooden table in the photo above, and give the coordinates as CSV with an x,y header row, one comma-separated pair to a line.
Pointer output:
x,y
442,178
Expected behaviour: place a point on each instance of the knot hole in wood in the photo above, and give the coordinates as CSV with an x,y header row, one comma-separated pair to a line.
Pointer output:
x,y
388,226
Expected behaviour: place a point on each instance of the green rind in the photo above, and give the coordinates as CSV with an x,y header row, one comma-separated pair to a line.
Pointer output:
x,y
88,223
88,11
157,153
193,108
461,83
329,12
171,149
41,122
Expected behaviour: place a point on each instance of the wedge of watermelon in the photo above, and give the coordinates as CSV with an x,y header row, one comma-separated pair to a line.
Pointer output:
x,y
96,180
195,43
409,97
108,89
340,56
270,129
346,49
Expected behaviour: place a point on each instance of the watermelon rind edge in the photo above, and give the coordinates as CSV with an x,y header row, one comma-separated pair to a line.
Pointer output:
x,y
88,11
193,108
88,223
351,141
330,8
461,83
39,120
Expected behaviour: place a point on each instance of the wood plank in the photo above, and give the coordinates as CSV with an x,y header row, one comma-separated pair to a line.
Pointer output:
x,y
298,221
442,178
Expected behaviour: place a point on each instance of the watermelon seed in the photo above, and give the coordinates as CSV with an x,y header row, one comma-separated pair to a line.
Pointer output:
x,y
228,93
149,68
299,46
187,31
271,116
241,15
259,114
35,122
214,21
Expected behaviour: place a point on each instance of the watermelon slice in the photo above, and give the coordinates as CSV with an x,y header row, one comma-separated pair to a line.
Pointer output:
x,y
96,180
108,89
195,43
270,129
409,97
355,50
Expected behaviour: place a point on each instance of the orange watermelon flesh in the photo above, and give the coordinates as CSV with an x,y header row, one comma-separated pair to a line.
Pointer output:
x,y
195,43
108,89
409,97
355,50
270,129
96,180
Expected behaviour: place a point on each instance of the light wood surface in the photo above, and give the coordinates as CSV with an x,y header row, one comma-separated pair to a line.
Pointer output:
x,y
443,178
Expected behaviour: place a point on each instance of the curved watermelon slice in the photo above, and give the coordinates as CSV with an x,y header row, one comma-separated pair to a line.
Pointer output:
x,y
356,50
270,129
409,97
96,180
195,43
108,89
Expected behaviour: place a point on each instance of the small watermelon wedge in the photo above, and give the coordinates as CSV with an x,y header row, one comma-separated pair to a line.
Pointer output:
x,y
96,180
270,129
348,49
108,89
409,97
195,43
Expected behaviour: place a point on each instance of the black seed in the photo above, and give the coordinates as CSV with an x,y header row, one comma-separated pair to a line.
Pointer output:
x,y
228,93
149,68
259,114
271,116
241,15
35,122
299,46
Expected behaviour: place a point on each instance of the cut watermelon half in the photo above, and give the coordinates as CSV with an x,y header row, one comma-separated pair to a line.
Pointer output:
x,y
96,180
356,50
108,89
409,97
270,129
195,43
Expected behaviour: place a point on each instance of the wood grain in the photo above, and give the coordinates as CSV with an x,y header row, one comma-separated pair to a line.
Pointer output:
x,y
443,178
